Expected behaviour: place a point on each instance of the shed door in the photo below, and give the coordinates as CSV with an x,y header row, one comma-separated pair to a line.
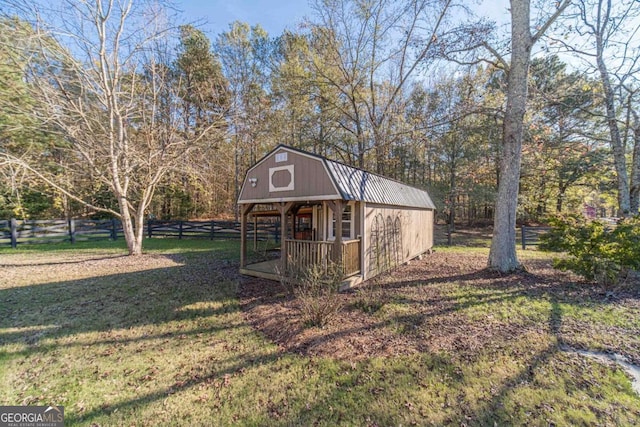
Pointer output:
x,y
348,223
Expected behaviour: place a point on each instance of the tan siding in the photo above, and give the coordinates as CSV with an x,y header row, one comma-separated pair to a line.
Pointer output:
x,y
394,236
310,179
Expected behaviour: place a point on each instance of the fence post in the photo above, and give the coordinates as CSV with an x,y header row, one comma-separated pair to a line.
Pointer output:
x,y
180,230
149,228
72,231
277,236
114,230
213,226
14,233
524,237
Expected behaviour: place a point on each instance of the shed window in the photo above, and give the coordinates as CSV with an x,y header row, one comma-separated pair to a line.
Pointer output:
x,y
347,223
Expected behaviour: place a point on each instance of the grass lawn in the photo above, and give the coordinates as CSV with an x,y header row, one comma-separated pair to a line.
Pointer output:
x,y
161,339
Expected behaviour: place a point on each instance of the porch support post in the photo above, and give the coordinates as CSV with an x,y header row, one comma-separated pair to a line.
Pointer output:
x,y
255,233
337,207
244,211
294,213
283,208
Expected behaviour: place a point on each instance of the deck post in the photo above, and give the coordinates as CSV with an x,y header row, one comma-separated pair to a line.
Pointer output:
x,y
294,213
255,233
337,207
244,211
283,208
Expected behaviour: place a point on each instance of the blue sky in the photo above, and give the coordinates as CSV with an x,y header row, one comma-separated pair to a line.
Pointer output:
x,y
276,15
273,15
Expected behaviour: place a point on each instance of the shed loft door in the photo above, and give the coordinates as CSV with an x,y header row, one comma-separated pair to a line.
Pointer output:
x,y
348,223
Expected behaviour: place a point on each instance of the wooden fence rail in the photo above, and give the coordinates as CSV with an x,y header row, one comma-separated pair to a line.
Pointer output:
x,y
530,236
14,232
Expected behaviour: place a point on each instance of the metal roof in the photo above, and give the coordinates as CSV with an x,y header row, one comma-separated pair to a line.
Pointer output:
x,y
360,185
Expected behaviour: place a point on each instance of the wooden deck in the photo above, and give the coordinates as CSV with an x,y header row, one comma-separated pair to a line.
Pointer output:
x,y
264,270
269,270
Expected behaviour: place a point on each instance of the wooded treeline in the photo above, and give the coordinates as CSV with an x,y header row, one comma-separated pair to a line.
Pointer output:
x,y
413,89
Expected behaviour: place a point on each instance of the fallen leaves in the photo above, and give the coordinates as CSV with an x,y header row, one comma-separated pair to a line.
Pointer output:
x,y
444,303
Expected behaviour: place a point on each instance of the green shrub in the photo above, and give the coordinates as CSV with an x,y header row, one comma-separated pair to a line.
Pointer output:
x,y
595,250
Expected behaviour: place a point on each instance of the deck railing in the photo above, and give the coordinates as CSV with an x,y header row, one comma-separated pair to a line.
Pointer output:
x,y
351,257
306,253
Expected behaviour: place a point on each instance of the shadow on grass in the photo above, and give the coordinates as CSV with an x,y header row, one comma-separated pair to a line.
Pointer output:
x,y
209,379
494,410
201,287
50,263
426,299
422,306
187,288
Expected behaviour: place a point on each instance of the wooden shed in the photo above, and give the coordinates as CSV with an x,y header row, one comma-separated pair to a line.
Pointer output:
x,y
332,211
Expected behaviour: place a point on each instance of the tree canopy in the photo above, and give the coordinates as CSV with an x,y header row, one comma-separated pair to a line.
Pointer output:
x,y
120,109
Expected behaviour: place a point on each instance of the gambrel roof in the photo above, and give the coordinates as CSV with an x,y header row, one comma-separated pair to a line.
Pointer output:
x,y
345,182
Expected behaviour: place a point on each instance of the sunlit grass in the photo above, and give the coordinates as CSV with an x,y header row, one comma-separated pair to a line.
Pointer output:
x,y
154,245
162,341
515,306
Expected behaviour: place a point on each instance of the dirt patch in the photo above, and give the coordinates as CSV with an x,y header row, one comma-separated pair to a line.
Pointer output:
x,y
446,303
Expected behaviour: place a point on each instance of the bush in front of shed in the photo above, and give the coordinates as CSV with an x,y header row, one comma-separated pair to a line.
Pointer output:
x,y
316,288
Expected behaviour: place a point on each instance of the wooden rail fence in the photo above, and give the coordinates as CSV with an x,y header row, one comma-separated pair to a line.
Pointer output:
x,y
14,232
530,236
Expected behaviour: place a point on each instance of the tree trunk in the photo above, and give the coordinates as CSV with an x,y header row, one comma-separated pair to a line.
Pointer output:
x,y
360,138
617,147
452,196
562,189
634,194
502,255
559,203
132,231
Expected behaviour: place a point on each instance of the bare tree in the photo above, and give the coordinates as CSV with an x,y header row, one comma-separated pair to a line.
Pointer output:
x,y
368,52
608,33
100,72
